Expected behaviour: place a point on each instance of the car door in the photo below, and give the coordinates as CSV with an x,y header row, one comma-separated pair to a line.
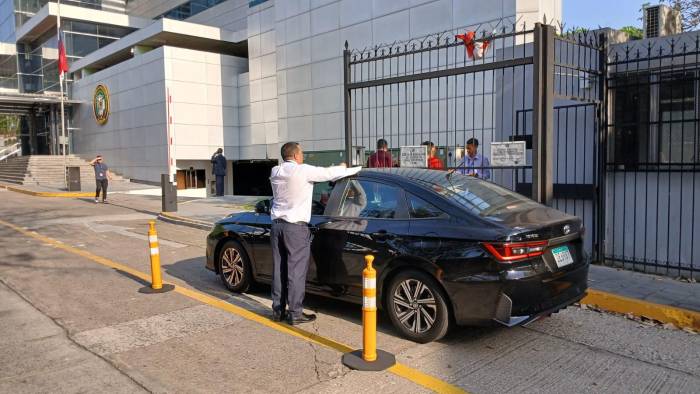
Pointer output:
x,y
261,237
369,218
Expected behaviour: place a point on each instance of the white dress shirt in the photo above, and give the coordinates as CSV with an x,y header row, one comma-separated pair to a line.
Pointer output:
x,y
293,188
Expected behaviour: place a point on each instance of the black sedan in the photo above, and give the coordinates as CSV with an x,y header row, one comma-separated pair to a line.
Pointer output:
x,y
449,249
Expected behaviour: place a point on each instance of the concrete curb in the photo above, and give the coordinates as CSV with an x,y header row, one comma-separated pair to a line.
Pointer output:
x,y
682,318
47,194
170,217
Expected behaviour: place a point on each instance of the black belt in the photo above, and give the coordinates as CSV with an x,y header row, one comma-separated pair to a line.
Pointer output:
x,y
284,221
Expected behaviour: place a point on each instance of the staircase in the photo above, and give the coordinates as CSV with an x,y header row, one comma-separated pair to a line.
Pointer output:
x,y
46,171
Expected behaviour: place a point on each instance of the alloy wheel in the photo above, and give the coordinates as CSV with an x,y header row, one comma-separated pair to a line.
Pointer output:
x,y
232,266
415,306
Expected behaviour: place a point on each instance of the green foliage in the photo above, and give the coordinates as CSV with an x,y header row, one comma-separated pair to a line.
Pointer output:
x,y
634,32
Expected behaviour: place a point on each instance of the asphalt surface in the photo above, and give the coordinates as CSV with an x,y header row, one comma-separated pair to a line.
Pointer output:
x,y
69,324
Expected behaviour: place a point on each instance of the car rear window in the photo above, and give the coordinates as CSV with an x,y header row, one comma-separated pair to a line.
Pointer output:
x,y
478,196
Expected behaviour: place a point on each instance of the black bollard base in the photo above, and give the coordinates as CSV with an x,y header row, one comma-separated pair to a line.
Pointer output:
x,y
354,360
149,290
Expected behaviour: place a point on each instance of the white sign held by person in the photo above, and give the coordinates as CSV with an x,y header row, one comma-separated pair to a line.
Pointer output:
x,y
508,154
414,156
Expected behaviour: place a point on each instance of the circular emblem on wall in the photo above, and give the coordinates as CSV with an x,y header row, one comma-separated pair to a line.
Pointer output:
x,y
100,104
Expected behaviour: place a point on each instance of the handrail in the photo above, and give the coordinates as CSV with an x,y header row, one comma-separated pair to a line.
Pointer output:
x,y
15,149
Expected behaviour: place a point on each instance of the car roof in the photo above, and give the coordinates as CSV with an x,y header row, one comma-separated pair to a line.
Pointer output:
x,y
415,176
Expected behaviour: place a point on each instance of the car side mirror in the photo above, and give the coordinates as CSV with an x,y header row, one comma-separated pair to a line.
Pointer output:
x,y
263,206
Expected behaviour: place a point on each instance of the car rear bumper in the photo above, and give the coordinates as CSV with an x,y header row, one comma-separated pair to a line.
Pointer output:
x,y
513,302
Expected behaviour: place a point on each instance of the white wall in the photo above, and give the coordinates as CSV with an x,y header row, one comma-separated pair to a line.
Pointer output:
x,y
133,141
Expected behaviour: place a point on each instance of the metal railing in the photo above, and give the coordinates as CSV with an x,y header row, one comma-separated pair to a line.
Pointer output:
x,y
10,151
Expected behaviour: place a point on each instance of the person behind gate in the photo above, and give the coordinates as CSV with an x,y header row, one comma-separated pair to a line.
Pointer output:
x,y
292,192
218,162
101,175
474,163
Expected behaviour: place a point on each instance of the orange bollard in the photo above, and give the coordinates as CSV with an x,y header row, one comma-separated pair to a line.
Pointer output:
x,y
369,310
157,285
156,280
369,358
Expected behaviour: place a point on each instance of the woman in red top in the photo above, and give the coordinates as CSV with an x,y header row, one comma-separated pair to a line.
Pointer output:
x,y
433,162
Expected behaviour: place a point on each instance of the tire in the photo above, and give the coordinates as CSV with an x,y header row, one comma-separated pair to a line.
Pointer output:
x,y
234,267
402,308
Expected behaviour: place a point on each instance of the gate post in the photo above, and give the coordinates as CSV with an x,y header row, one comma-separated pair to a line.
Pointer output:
x,y
543,114
348,109
602,151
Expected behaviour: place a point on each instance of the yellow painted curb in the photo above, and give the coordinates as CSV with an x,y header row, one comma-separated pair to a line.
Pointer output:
x,y
418,377
48,194
682,318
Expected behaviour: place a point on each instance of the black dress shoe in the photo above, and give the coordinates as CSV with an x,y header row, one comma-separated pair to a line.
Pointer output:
x,y
278,315
304,318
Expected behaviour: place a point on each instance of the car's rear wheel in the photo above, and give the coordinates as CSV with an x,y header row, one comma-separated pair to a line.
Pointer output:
x,y
417,306
234,267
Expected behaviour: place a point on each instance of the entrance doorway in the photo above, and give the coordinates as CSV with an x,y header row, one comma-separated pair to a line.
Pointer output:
x,y
252,177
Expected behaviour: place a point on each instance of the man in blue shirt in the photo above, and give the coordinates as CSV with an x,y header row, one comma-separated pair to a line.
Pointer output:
x,y
474,164
101,175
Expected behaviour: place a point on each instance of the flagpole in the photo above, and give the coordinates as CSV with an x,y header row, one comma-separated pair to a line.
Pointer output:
x,y
60,82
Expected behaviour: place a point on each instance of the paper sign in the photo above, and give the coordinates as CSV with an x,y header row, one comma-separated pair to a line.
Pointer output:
x,y
508,154
414,156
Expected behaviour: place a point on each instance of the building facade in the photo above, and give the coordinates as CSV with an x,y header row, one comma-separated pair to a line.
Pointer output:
x,y
187,77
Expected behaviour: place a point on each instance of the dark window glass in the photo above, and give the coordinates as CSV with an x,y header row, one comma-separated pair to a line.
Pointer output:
x,y
420,209
322,193
81,27
81,45
480,197
678,138
369,200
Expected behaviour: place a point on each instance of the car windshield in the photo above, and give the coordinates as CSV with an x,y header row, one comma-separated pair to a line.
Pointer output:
x,y
480,197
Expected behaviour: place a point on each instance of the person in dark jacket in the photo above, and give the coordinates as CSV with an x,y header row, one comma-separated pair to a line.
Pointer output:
x,y
382,157
218,163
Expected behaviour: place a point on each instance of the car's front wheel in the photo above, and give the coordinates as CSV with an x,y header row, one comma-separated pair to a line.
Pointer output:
x,y
417,306
234,267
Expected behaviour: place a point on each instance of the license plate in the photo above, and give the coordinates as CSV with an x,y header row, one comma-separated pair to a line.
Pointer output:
x,y
562,256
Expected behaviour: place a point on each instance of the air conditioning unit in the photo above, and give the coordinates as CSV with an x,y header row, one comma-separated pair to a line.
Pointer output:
x,y
661,20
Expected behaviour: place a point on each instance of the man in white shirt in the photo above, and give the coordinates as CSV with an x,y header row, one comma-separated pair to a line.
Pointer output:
x,y
292,191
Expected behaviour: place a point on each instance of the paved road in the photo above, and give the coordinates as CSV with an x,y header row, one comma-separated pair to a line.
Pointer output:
x,y
71,324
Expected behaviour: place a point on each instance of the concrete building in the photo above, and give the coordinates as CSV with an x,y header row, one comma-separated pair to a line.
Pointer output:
x,y
186,77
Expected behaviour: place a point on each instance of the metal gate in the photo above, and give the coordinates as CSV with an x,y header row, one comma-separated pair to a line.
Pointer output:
x,y
531,85
652,164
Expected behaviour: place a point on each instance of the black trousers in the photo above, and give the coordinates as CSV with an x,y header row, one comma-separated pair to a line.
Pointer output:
x,y
220,185
290,255
101,185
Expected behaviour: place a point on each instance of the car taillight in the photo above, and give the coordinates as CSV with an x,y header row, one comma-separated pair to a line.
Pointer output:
x,y
515,251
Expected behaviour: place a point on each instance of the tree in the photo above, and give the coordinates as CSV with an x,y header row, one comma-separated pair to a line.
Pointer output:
x,y
633,32
690,12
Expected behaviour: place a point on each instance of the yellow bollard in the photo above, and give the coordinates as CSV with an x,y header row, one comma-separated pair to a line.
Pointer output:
x,y
157,285
369,311
369,358
156,280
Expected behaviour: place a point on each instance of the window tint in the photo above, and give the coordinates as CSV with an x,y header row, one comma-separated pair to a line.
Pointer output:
x,y
421,209
322,193
366,199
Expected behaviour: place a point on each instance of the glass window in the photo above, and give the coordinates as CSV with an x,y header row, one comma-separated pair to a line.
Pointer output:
x,y
367,199
678,137
420,209
480,197
322,193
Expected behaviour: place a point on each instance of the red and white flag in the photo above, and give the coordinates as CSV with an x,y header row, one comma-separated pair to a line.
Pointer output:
x,y
62,59
475,49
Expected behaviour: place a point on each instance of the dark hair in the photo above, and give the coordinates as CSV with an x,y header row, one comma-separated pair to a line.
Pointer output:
x,y
428,143
381,143
289,150
219,150
473,141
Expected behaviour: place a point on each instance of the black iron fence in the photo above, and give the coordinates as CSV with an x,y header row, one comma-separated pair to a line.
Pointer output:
x,y
611,130
652,163
434,90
